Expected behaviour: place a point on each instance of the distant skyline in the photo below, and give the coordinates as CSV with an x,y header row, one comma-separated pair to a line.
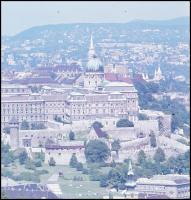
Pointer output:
x,y
19,16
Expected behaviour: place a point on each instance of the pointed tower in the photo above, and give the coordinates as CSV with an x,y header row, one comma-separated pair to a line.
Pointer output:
x,y
91,52
130,178
94,73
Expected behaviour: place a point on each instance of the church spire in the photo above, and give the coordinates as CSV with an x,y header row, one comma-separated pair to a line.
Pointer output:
x,y
91,52
130,169
91,43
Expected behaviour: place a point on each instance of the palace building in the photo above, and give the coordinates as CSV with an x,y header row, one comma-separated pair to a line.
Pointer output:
x,y
95,98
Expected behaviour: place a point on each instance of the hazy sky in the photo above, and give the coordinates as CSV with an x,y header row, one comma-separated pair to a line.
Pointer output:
x,y
18,16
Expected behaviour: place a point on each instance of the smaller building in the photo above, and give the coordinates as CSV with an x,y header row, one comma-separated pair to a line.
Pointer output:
x,y
171,185
62,153
28,191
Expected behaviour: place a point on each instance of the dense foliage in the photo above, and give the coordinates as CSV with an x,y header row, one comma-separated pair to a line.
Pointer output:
x,y
153,141
96,151
124,123
146,101
25,125
73,161
52,162
115,146
72,135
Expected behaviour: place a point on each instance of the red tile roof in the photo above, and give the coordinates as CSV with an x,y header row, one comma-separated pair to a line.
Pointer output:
x,y
117,77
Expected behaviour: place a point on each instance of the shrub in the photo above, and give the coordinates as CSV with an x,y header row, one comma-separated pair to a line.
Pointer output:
x,y
124,123
38,163
43,171
143,116
104,181
30,164
71,135
7,173
52,162
6,130
159,155
77,178
24,125
28,176
85,171
23,156
79,166
73,161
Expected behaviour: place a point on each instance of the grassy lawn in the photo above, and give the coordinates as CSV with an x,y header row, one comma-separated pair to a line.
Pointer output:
x,y
75,189
82,189
71,189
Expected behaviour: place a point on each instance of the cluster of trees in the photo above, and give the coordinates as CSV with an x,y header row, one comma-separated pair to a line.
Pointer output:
x,y
180,115
145,167
33,176
124,123
9,156
160,165
116,177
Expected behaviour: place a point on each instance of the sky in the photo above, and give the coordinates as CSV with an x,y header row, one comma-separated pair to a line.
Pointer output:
x,y
17,16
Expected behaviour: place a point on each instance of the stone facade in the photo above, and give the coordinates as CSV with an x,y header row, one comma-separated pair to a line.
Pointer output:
x,y
172,185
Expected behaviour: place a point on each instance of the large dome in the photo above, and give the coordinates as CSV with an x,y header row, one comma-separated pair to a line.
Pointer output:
x,y
94,64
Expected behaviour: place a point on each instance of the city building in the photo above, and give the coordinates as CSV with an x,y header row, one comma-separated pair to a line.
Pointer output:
x,y
96,98
174,186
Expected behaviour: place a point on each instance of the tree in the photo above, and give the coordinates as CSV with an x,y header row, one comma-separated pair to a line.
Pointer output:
x,y
79,166
5,147
71,135
143,116
6,130
29,164
115,145
116,177
141,157
153,141
104,181
124,123
23,156
159,155
96,151
40,156
7,158
38,163
24,125
113,164
73,161
3,195
52,162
